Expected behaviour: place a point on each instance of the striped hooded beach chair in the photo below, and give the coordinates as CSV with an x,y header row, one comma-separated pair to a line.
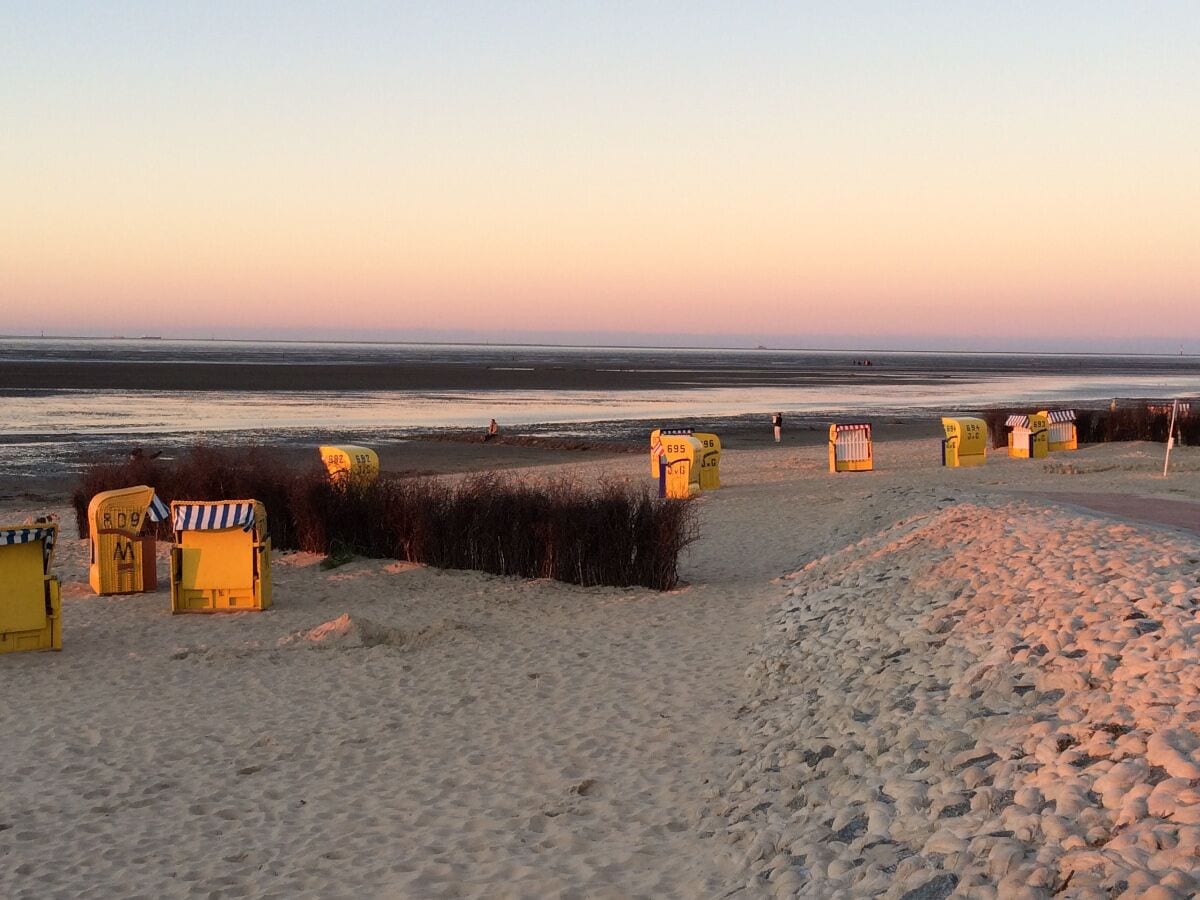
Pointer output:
x,y
221,558
30,599
1028,436
851,448
1063,432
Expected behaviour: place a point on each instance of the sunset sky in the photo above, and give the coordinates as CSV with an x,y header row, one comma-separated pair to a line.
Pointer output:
x,y
958,175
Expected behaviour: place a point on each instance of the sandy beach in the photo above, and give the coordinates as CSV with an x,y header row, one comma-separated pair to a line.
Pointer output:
x,y
910,683
402,348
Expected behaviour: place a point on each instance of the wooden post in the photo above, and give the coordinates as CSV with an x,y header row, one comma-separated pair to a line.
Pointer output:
x,y
1170,436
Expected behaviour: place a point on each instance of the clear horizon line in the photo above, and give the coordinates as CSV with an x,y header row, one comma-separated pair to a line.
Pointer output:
x,y
595,346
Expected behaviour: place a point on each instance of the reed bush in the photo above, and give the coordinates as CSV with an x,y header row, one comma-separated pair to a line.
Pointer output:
x,y
605,535
201,473
1132,421
609,534
997,430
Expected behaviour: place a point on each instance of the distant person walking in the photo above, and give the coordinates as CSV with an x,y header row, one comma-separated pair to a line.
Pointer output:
x,y
777,424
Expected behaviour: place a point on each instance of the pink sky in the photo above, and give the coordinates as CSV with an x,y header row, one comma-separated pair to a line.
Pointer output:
x,y
738,173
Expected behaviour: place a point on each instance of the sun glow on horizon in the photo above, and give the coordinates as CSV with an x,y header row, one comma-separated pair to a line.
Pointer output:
x,y
729,172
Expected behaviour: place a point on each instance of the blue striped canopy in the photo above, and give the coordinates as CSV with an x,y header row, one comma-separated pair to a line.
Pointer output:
x,y
48,534
1061,415
213,516
158,510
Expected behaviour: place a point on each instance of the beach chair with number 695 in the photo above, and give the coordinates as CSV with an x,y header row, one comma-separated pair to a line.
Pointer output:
x,y
221,559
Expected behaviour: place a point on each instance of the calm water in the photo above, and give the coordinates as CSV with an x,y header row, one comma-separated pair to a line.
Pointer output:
x,y
41,429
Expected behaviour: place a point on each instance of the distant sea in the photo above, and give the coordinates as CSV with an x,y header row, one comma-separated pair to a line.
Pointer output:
x,y
63,399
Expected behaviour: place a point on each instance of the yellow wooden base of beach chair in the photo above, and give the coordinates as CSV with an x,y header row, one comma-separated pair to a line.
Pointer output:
x,y
220,571
30,602
49,636
851,465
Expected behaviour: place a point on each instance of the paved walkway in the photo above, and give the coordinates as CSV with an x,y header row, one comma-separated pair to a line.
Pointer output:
x,y
1157,511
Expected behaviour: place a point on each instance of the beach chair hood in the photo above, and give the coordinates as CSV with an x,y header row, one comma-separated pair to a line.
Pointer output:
x,y
30,534
213,516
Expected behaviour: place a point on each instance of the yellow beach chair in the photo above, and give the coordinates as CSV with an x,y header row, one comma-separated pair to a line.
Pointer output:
x,y
123,559
1063,433
965,443
1028,436
657,450
850,448
351,464
221,560
30,599
710,464
679,472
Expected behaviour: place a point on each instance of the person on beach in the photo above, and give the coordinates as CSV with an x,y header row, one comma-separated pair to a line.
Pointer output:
x,y
493,430
777,424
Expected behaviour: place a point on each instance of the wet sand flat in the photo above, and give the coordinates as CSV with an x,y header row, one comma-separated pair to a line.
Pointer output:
x,y
100,364
114,375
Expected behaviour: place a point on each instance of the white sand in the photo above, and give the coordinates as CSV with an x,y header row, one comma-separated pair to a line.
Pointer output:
x,y
396,731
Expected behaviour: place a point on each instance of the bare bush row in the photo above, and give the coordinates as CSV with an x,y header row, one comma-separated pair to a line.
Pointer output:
x,y
605,534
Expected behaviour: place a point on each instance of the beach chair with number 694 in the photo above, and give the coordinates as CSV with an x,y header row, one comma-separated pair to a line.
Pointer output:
x,y
965,443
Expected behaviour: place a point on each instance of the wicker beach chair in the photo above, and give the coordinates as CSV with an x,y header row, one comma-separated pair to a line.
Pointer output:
x,y
123,558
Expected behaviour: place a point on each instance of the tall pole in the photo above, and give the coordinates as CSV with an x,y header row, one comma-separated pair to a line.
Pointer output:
x,y
1170,436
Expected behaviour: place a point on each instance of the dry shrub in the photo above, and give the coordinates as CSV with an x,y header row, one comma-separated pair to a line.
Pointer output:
x,y
1135,422
610,534
202,473
1129,422
606,535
